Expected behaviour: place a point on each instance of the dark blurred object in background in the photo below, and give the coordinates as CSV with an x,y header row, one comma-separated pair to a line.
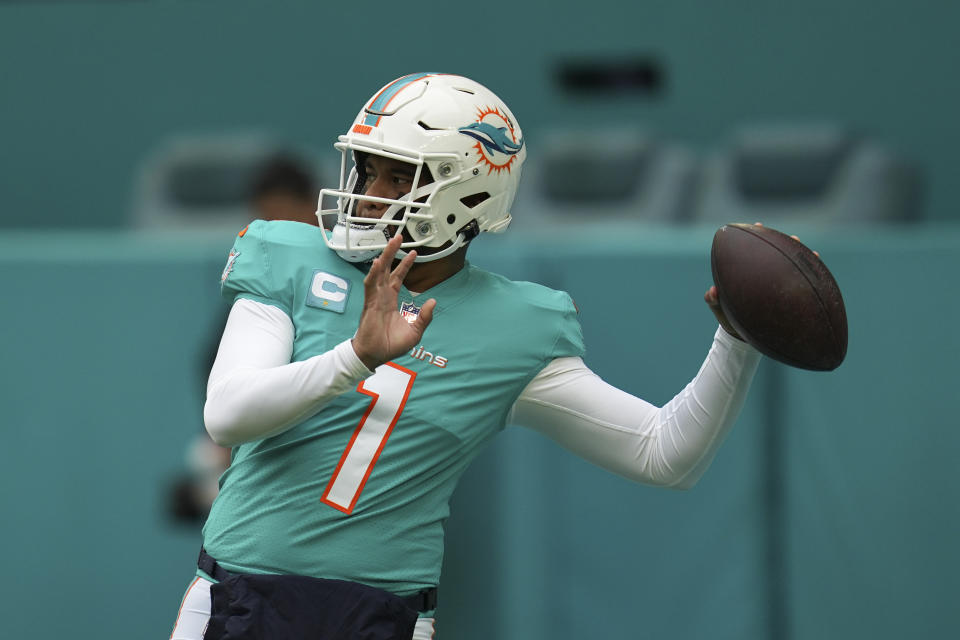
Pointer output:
x,y
190,494
592,76
285,190
624,174
204,182
280,187
807,173
792,173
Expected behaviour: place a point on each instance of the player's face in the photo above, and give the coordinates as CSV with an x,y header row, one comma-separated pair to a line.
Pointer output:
x,y
386,178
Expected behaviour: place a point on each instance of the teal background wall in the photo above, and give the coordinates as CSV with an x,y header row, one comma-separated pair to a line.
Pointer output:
x,y
88,89
829,513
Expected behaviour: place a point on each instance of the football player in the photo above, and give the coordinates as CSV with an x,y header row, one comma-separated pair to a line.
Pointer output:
x,y
363,367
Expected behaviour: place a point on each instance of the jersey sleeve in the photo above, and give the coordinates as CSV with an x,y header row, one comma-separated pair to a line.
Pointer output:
x,y
249,272
569,335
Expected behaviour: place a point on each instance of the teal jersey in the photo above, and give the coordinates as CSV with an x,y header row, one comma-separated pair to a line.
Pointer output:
x,y
360,490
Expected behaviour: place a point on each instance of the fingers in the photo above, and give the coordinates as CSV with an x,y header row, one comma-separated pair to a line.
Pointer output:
x,y
797,238
380,267
426,315
400,272
390,251
710,297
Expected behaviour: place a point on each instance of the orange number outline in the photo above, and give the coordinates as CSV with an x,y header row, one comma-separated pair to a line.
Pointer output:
x,y
374,399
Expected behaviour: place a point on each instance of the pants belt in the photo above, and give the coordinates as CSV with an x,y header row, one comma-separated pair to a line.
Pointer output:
x,y
425,600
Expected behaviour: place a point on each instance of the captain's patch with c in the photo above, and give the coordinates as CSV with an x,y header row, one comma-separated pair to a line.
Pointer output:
x,y
328,291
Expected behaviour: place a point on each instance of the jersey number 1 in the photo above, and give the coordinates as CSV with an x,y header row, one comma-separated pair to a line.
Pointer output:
x,y
388,388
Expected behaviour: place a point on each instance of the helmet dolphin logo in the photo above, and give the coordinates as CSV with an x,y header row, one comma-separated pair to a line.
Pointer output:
x,y
492,138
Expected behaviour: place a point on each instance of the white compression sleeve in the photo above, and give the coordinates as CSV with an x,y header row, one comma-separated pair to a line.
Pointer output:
x,y
670,446
254,391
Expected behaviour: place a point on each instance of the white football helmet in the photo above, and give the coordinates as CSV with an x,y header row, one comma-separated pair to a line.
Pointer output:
x,y
459,137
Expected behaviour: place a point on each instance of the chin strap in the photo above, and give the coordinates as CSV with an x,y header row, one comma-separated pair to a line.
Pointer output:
x,y
466,233
443,253
357,254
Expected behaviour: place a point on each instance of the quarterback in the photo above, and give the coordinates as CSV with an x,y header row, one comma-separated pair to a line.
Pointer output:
x,y
364,366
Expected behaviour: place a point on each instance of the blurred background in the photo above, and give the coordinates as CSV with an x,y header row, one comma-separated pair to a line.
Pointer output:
x,y
133,138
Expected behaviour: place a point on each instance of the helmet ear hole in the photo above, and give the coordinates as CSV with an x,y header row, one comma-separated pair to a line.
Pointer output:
x,y
451,219
474,199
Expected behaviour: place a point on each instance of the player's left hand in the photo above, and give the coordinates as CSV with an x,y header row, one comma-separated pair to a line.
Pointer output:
x,y
383,333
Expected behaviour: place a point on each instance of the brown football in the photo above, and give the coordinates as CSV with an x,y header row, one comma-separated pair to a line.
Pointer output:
x,y
779,296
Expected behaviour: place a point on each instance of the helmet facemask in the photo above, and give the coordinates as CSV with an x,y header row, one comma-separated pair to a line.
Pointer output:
x,y
358,238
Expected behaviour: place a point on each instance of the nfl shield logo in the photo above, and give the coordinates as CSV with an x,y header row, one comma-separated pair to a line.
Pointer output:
x,y
409,311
